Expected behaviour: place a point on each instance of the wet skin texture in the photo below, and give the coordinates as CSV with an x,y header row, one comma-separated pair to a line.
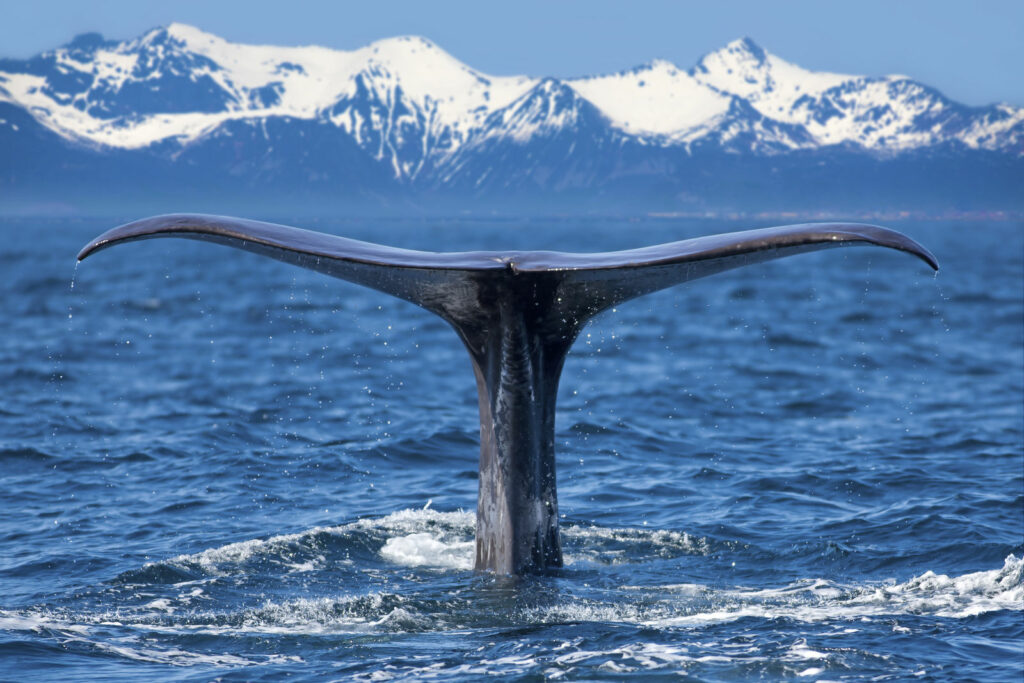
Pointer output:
x,y
518,313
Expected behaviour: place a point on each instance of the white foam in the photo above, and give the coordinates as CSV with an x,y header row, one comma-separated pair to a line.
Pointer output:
x,y
312,616
448,529
646,655
13,621
174,656
959,596
818,600
658,537
308,566
443,540
809,600
416,519
800,650
345,615
129,648
628,658
672,605
428,550
588,544
162,604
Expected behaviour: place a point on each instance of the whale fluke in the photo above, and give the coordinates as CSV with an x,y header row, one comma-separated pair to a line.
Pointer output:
x,y
518,313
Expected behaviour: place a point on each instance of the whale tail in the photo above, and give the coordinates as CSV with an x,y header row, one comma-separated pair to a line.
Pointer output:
x,y
517,313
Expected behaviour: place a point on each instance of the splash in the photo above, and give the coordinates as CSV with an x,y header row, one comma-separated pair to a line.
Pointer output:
x,y
416,537
159,627
427,550
814,600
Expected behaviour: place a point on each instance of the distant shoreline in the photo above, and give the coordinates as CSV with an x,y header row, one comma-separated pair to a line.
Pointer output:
x,y
65,214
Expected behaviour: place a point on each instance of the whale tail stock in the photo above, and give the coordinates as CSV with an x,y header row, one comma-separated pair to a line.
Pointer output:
x,y
518,314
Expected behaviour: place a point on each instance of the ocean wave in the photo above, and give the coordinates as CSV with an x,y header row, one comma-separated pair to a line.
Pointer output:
x,y
93,634
440,541
305,550
421,538
928,594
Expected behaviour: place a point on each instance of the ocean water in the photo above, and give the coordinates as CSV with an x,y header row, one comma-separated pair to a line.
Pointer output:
x,y
214,466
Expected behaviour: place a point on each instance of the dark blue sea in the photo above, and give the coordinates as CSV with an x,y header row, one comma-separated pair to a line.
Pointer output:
x,y
215,466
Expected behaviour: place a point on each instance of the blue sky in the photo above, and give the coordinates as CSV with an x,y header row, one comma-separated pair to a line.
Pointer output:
x,y
972,51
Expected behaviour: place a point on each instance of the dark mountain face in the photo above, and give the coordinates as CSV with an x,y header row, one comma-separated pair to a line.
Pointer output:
x,y
550,140
182,116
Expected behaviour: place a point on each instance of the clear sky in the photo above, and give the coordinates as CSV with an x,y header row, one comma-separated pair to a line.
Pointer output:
x,y
971,51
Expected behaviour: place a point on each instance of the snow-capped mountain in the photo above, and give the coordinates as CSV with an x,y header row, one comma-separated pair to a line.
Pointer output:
x,y
889,113
549,137
179,82
402,113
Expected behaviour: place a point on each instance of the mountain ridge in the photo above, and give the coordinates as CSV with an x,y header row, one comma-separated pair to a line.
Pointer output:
x,y
419,123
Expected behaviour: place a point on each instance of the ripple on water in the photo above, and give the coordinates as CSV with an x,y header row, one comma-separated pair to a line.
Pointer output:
x,y
186,617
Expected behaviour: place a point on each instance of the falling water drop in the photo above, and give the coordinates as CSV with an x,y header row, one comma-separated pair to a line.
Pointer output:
x,y
74,274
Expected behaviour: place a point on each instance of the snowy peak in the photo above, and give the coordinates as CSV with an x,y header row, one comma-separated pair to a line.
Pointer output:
x,y
656,100
746,45
743,55
547,109
550,137
745,69
190,35
741,61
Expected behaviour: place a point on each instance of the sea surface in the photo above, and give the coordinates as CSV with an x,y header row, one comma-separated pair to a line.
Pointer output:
x,y
214,466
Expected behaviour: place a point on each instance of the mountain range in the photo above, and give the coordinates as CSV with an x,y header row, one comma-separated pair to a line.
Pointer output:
x,y
183,119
